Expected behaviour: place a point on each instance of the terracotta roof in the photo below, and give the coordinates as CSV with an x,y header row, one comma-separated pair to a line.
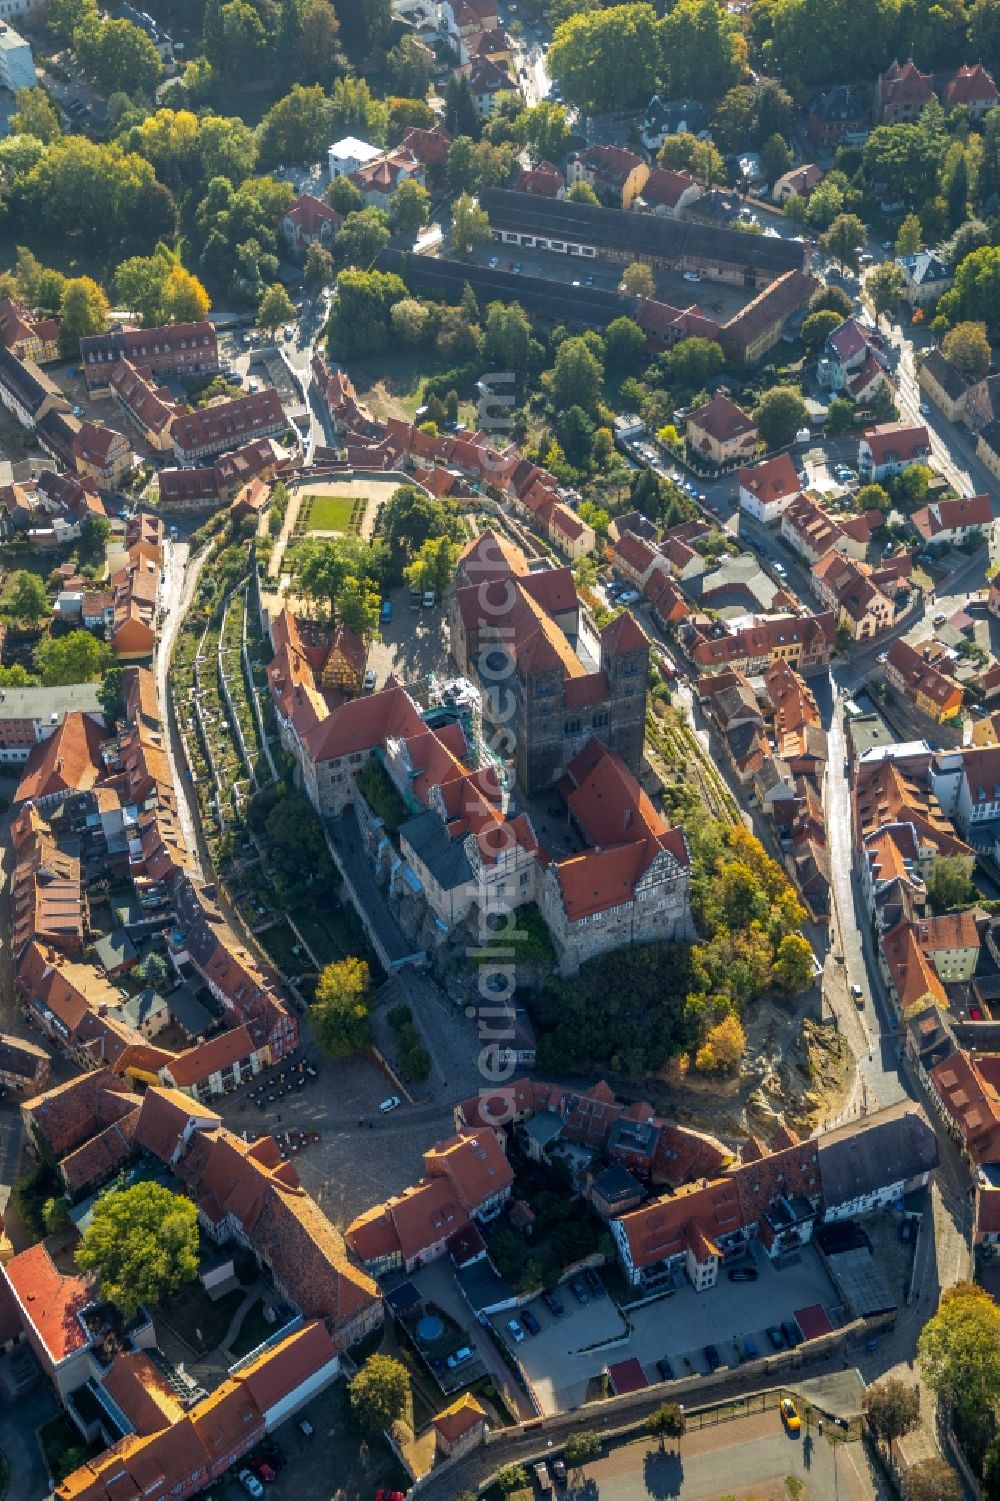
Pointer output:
x,y
913,977
722,420
459,1419
972,84
308,212
68,1114
972,1101
474,1164
51,1300
919,676
897,442
69,760
142,1392
163,1118
230,423
952,930
904,83
774,479
667,187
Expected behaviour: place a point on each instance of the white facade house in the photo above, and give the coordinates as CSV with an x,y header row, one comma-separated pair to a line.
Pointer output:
x,y
348,155
17,66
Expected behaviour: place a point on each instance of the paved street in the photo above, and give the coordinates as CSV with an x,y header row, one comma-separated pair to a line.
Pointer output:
x,y
176,593
18,1422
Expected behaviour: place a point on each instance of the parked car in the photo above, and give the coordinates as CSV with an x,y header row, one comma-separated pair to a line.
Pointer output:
x,y
692,276
665,1369
390,1104
790,1415
248,1480
370,680
629,597
530,1322
791,1333
579,1290
386,612
743,1274
542,1478
776,1337
515,1331
305,1428
384,1495
925,410
559,1471
494,262
261,1467
594,1283
859,997
428,599
553,1304
460,1357
713,1357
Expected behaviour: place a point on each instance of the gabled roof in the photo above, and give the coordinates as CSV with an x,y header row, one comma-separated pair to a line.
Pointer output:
x,y
972,84
897,442
67,761
51,1300
774,479
722,420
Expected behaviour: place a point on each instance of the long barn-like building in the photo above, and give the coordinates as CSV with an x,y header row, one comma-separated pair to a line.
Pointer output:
x,y
529,222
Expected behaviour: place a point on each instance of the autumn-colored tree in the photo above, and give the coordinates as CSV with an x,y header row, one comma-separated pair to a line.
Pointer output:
x,y
723,1047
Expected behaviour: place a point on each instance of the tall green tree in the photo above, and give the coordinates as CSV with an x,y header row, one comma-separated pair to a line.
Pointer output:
x,y
143,1242
35,115
470,225
76,658
340,1010
604,59
297,128
959,1350
83,310
577,376
703,49
666,1422
779,415
28,599
845,238
410,207
276,307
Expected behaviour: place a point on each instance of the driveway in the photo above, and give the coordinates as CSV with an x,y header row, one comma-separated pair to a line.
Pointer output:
x,y
29,1479
560,1362
437,1285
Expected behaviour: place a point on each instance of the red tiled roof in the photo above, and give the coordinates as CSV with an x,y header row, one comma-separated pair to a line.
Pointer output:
x,y
51,1300
722,420
772,480
67,761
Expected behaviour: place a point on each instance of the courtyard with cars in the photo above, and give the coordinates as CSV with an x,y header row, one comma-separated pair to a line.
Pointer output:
x,y
573,1349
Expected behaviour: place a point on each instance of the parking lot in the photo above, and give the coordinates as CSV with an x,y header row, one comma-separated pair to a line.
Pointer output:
x,y
559,1363
716,299
412,644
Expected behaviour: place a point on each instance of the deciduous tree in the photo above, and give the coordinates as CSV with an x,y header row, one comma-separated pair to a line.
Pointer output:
x,y
845,238
470,225
931,1480
410,206
884,288
793,963
76,658
577,376
967,346
28,599
276,308
723,1047
959,1351
35,115
638,280
606,59
909,236
667,1421
340,1010
891,1408
378,1392
779,415
143,1242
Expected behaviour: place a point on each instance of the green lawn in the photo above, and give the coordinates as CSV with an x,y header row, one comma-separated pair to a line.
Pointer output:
x,y
254,1330
329,513
199,1321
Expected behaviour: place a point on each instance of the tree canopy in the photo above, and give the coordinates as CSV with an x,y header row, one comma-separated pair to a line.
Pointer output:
x,y
143,1242
340,1011
378,1392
